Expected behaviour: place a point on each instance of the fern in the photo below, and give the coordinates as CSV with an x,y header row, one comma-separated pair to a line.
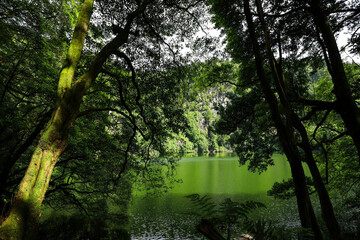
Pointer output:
x,y
249,206
206,208
261,229
226,215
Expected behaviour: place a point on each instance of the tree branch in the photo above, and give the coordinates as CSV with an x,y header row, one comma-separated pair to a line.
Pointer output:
x,y
126,157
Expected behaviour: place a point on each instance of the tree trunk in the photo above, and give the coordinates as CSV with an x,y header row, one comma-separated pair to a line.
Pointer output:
x,y
286,137
25,213
228,233
346,107
325,202
23,219
209,231
327,209
13,158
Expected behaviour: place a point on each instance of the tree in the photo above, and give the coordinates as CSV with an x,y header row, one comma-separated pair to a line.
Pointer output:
x,y
346,105
284,132
287,122
25,212
29,42
131,24
326,205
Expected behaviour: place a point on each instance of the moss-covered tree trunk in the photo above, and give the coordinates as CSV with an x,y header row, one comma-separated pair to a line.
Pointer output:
x,y
346,105
24,215
286,136
25,212
12,158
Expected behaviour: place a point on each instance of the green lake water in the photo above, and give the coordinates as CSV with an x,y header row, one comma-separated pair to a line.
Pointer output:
x,y
218,176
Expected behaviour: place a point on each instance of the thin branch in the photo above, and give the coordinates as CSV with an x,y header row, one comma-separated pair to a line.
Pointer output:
x,y
281,15
186,9
322,146
130,117
160,37
320,123
324,50
76,201
337,137
126,156
133,80
338,26
319,104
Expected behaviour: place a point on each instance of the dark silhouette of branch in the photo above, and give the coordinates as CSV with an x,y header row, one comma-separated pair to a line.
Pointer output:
x,y
355,11
323,48
317,105
320,123
126,157
133,80
131,116
186,9
322,146
340,135
160,38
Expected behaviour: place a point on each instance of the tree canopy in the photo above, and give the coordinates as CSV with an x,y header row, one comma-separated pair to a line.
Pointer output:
x,y
97,96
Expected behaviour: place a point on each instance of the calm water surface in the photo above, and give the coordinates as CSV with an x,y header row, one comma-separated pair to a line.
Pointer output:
x,y
219,176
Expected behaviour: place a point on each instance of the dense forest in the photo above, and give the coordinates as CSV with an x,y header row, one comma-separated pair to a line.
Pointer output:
x,y
99,99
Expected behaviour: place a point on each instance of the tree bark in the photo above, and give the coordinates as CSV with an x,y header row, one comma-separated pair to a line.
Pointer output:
x,y
286,137
347,107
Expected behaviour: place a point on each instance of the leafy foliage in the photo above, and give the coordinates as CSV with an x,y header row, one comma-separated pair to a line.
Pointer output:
x,y
128,112
149,102
33,41
285,189
227,214
204,204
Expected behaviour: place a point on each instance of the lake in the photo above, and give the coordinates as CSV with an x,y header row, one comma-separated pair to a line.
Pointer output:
x,y
219,176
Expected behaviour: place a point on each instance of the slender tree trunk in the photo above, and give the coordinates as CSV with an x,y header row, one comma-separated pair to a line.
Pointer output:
x,y
327,209
325,202
286,137
347,107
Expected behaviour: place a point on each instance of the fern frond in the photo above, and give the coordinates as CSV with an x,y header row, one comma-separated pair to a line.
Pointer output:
x,y
205,206
248,206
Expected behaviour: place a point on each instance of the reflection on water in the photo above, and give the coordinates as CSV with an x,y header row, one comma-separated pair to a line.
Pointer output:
x,y
218,176
221,174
